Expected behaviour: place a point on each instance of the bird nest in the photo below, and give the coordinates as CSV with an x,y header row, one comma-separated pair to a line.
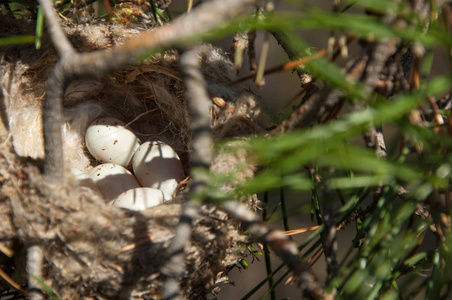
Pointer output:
x,y
90,248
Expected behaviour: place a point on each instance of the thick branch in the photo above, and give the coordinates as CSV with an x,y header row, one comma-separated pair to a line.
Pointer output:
x,y
174,266
53,119
198,102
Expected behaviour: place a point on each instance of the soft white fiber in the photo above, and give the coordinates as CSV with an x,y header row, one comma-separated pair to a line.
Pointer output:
x,y
77,119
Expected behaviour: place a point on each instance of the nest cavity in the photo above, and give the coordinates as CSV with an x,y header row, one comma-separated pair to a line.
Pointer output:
x,y
92,249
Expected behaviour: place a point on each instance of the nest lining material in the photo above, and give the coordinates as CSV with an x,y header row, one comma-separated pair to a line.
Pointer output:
x,y
90,248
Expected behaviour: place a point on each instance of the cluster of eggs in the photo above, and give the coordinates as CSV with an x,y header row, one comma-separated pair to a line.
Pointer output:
x,y
157,169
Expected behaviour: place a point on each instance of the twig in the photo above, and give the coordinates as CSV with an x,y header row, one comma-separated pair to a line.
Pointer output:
x,y
447,18
53,119
189,5
418,53
308,83
281,244
437,118
329,241
374,139
287,66
284,209
259,81
303,90
6,250
379,55
316,256
142,241
174,263
302,230
267,256
252,52
198,100
319,103
71,66
310,111
239,43
35,258
366,67
11,281
284,41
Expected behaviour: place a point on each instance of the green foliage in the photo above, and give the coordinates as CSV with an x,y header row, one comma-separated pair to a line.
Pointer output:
x,y
17,40
39,28
385,256
46,288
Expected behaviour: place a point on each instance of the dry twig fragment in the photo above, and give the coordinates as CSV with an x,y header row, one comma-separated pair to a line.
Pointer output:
x,y
6,250
302,230
11,281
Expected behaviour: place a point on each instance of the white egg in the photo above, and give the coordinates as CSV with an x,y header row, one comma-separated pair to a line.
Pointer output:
x,y
157,165
84,180
139,198
112,180
110,141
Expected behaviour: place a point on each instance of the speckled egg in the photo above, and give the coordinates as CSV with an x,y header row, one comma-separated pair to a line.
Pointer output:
x,y
83,179
112,180
157,165
110,141
139,198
